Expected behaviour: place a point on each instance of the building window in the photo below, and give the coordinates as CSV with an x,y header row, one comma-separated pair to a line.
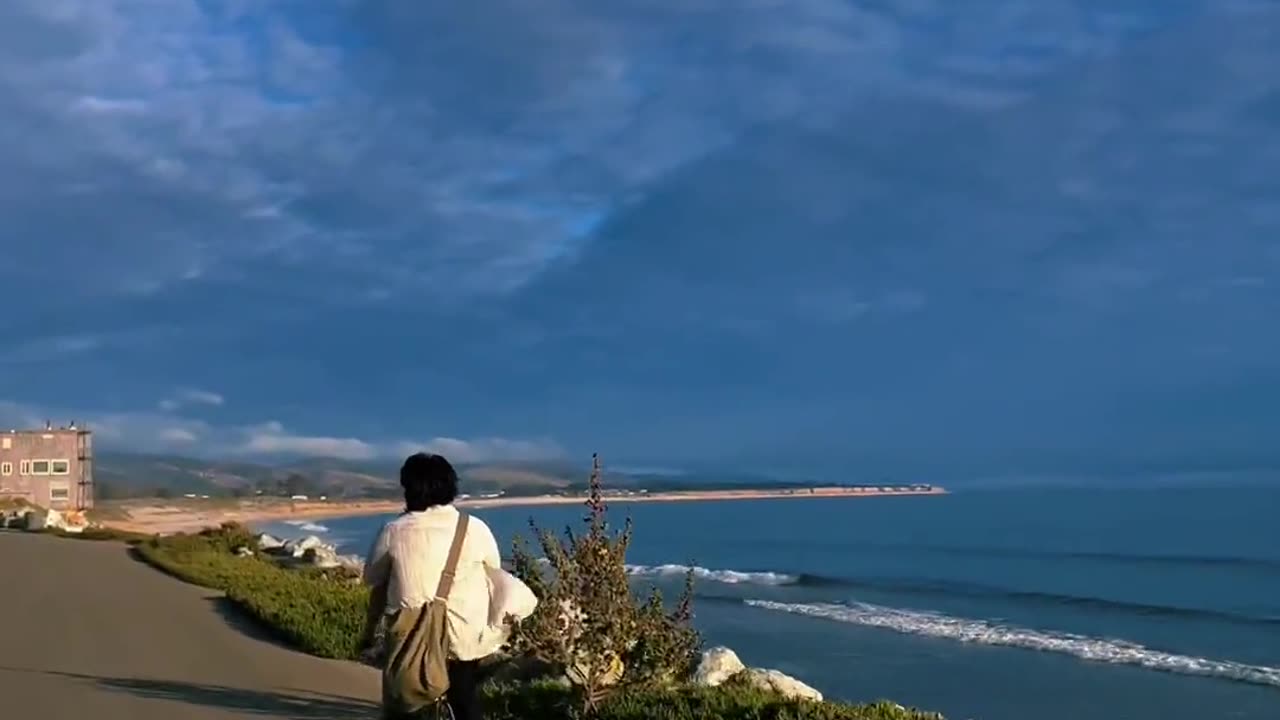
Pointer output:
x,y
6,443
39,467
59,467
6,468
24,467
59,492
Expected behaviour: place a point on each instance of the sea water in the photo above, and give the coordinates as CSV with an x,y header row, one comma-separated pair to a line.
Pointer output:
x,y
996,605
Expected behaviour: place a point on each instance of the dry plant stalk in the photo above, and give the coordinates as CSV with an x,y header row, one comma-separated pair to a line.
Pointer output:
x,y
588,622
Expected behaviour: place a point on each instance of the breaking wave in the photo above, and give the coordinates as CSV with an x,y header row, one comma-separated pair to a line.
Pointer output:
x,y
728,577
947,588
307,526
915,622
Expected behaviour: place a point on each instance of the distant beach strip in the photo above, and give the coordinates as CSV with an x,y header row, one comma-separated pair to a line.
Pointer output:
x,y
189,514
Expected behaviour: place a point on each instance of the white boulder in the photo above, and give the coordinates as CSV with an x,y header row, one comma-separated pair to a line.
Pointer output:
x,y
720,664
717,665
45,520
354,563
782,684
268,543
298,548
321,556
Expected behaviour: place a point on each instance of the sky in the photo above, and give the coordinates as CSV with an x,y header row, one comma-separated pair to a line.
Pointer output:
x,y
678,232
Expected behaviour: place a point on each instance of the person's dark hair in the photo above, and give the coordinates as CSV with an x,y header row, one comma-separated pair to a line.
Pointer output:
x,y
428,481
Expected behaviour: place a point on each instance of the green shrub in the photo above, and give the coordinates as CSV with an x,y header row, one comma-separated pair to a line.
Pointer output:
x,y
308,610
588,623
728,702
105,534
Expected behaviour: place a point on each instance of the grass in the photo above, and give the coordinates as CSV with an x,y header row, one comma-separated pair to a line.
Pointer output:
x,y
104,534
310,610
321,613
727,702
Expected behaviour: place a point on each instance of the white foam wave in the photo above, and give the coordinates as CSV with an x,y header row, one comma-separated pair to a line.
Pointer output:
x,y
729,577
307,526
916,622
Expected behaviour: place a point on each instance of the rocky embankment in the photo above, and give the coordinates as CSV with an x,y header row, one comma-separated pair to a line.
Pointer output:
x,y
309,551
29,517
720,665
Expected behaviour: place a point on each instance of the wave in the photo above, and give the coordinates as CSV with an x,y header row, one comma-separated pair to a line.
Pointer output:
x,y
729,577
307,526
946,588
951,588
914,622
1200,561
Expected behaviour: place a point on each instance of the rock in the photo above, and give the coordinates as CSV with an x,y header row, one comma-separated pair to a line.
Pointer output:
x,y
781,683
298,548
321,556
717,665
269,543
244,551
354,563
45,520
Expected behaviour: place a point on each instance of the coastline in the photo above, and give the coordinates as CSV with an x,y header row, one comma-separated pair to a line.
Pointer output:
x,y
166,517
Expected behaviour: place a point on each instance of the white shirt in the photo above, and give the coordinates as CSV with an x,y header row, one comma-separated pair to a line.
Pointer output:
x,y
409,555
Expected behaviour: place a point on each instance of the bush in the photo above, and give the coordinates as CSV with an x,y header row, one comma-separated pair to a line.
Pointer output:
x,y
308,610
104,534
728,702
588,624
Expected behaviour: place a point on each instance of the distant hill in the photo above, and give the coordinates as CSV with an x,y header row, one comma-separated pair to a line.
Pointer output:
x,y
136,475
121,475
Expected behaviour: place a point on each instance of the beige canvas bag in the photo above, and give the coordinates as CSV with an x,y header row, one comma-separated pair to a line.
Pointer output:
x,y
416,674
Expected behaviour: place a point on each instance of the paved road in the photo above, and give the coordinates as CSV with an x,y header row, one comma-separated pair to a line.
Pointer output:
x,y
88,633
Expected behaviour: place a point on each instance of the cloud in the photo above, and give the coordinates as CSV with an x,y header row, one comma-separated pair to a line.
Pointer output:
x,y
133,430
595,217
178,435
191,396
50,348
271,439
227,143
486,449
44,347
163,432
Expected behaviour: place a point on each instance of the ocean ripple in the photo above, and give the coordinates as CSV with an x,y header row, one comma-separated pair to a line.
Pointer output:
x,y
915,622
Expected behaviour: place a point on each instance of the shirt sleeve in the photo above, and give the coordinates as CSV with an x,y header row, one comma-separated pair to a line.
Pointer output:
x,y
377,566
489,554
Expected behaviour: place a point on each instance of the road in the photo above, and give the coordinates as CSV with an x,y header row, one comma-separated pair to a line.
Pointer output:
x,y
88,633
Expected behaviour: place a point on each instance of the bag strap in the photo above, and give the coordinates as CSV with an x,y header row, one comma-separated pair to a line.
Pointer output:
x,y
451,564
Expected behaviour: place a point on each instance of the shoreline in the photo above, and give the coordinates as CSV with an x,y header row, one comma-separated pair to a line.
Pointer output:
x,y
166,517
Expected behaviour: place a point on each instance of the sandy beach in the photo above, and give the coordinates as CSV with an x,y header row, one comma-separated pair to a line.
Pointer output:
x,y
163,517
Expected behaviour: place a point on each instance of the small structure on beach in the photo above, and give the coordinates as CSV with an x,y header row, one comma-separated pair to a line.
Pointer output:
x,y
51,467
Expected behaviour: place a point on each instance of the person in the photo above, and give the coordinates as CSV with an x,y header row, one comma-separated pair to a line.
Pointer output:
x,y
407,558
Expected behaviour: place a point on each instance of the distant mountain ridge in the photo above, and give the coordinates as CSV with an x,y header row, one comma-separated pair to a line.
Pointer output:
x,y
129,474
135,475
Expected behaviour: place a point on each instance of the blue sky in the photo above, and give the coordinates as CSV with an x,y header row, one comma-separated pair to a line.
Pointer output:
x,y
807,234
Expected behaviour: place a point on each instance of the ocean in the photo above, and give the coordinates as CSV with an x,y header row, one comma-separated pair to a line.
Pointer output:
x,y
993,605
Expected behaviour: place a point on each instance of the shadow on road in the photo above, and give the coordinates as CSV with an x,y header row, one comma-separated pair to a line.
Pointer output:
x,y
241,622
288,705
234,617
271,704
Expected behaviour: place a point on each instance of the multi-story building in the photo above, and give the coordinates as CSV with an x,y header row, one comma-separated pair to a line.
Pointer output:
x,y
52,468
